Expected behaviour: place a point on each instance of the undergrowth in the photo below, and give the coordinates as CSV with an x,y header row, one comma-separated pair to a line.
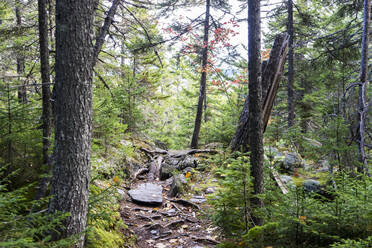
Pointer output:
x,y
340,217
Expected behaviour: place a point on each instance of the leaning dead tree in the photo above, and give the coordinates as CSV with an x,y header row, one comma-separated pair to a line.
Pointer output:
x,y
271,73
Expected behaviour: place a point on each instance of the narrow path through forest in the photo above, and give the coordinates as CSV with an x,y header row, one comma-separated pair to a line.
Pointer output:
x,y
154,212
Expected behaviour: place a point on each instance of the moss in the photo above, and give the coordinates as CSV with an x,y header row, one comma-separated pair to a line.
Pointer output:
x,y
105,226
298,181
322,177
98,237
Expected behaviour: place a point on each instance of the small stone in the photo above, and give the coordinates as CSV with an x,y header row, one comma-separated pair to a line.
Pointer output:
x,y
286,179
289,162
188,161
179,181
188,169
160,245
210,190
171,211
120,191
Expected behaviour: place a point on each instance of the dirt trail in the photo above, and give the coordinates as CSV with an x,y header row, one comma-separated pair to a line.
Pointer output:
x,y
175,223
170,225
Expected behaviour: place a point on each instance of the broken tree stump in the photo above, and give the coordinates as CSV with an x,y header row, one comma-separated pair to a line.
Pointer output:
x,y
272,71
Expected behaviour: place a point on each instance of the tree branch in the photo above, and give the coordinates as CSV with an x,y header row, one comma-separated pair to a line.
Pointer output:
x,y
104,30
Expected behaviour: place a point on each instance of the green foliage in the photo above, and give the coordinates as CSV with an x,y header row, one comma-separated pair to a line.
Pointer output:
x,y
231,208
310,219
20,145
108,127
349,243
21,228
105,227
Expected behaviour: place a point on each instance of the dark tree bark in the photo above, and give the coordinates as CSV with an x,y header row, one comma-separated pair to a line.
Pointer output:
x,y
255,106
240,139
290,66
203,80
271,74
73,115
22,95
10,131
362,103
45,88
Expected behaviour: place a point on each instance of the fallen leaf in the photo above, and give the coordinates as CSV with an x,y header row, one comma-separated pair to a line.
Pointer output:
x,y
302,218
116,179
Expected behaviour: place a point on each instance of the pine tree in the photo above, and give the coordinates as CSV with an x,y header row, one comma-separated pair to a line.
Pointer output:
x,y
255,105
73,110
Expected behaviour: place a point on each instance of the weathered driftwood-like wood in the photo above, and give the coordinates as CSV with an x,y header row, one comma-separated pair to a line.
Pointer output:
x,y
189,152
159,163
177,153
271,73
156,151
279,181
155,167
139,172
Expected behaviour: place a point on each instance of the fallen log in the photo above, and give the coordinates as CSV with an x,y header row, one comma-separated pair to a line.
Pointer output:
x,y
279,181
177,153
180,153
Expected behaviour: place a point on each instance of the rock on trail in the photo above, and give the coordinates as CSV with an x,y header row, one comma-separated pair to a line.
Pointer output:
x,y
147,193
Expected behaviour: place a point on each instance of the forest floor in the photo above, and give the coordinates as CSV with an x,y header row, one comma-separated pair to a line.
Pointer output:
x,y
170,225
176,222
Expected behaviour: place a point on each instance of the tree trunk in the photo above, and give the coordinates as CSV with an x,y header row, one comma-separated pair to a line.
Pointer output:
x,y
240,139
22,96
203,80
45,88
73,116
271,74
362,106
290,66
255,106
